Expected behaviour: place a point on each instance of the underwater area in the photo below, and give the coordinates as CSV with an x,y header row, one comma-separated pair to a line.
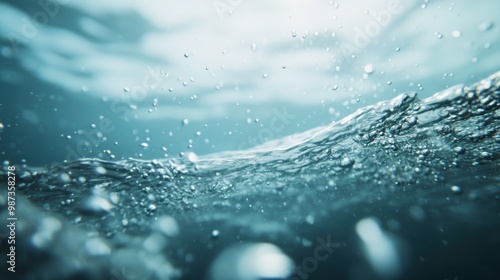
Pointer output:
x,y
250,140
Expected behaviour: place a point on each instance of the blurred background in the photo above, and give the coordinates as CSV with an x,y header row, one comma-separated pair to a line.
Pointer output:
x,y
155,79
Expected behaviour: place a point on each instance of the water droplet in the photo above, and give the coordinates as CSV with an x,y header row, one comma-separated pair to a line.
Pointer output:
x,y
97,247
369,69
192,157
310,219
45,231
346,162
95,205
251,262
456,189
253,46
485,26
459,150
64,178
456,33
100,170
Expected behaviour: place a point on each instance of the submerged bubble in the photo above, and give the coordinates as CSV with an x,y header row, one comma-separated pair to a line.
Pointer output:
x,y
485,26
456,33
97,247
456,189
346,162
251,262
215,233
369,69
144,145
1,127
100,170
168,226
46,230
95,205
192,157
185,122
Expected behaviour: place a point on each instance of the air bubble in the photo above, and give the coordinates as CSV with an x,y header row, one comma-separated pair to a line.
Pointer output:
x,y
253,46
456,33
144,145
346,162
369,69
185,122
456,189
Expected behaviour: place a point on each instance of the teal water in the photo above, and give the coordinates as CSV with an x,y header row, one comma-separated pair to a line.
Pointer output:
x,y
250,139
402,189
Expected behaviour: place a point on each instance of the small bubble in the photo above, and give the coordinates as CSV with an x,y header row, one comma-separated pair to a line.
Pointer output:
x,y
215,234
192,157
152,208
335,87
185,122
253,46
456,189
186,55
310,219
265,76
456,33
459,150
346,162
144,145
100,170
1,127
439,35
485,26
126,89
369,69
64,178
389,83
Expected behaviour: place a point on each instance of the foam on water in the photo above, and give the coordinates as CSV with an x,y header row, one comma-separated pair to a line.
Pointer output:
x,y
155,219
